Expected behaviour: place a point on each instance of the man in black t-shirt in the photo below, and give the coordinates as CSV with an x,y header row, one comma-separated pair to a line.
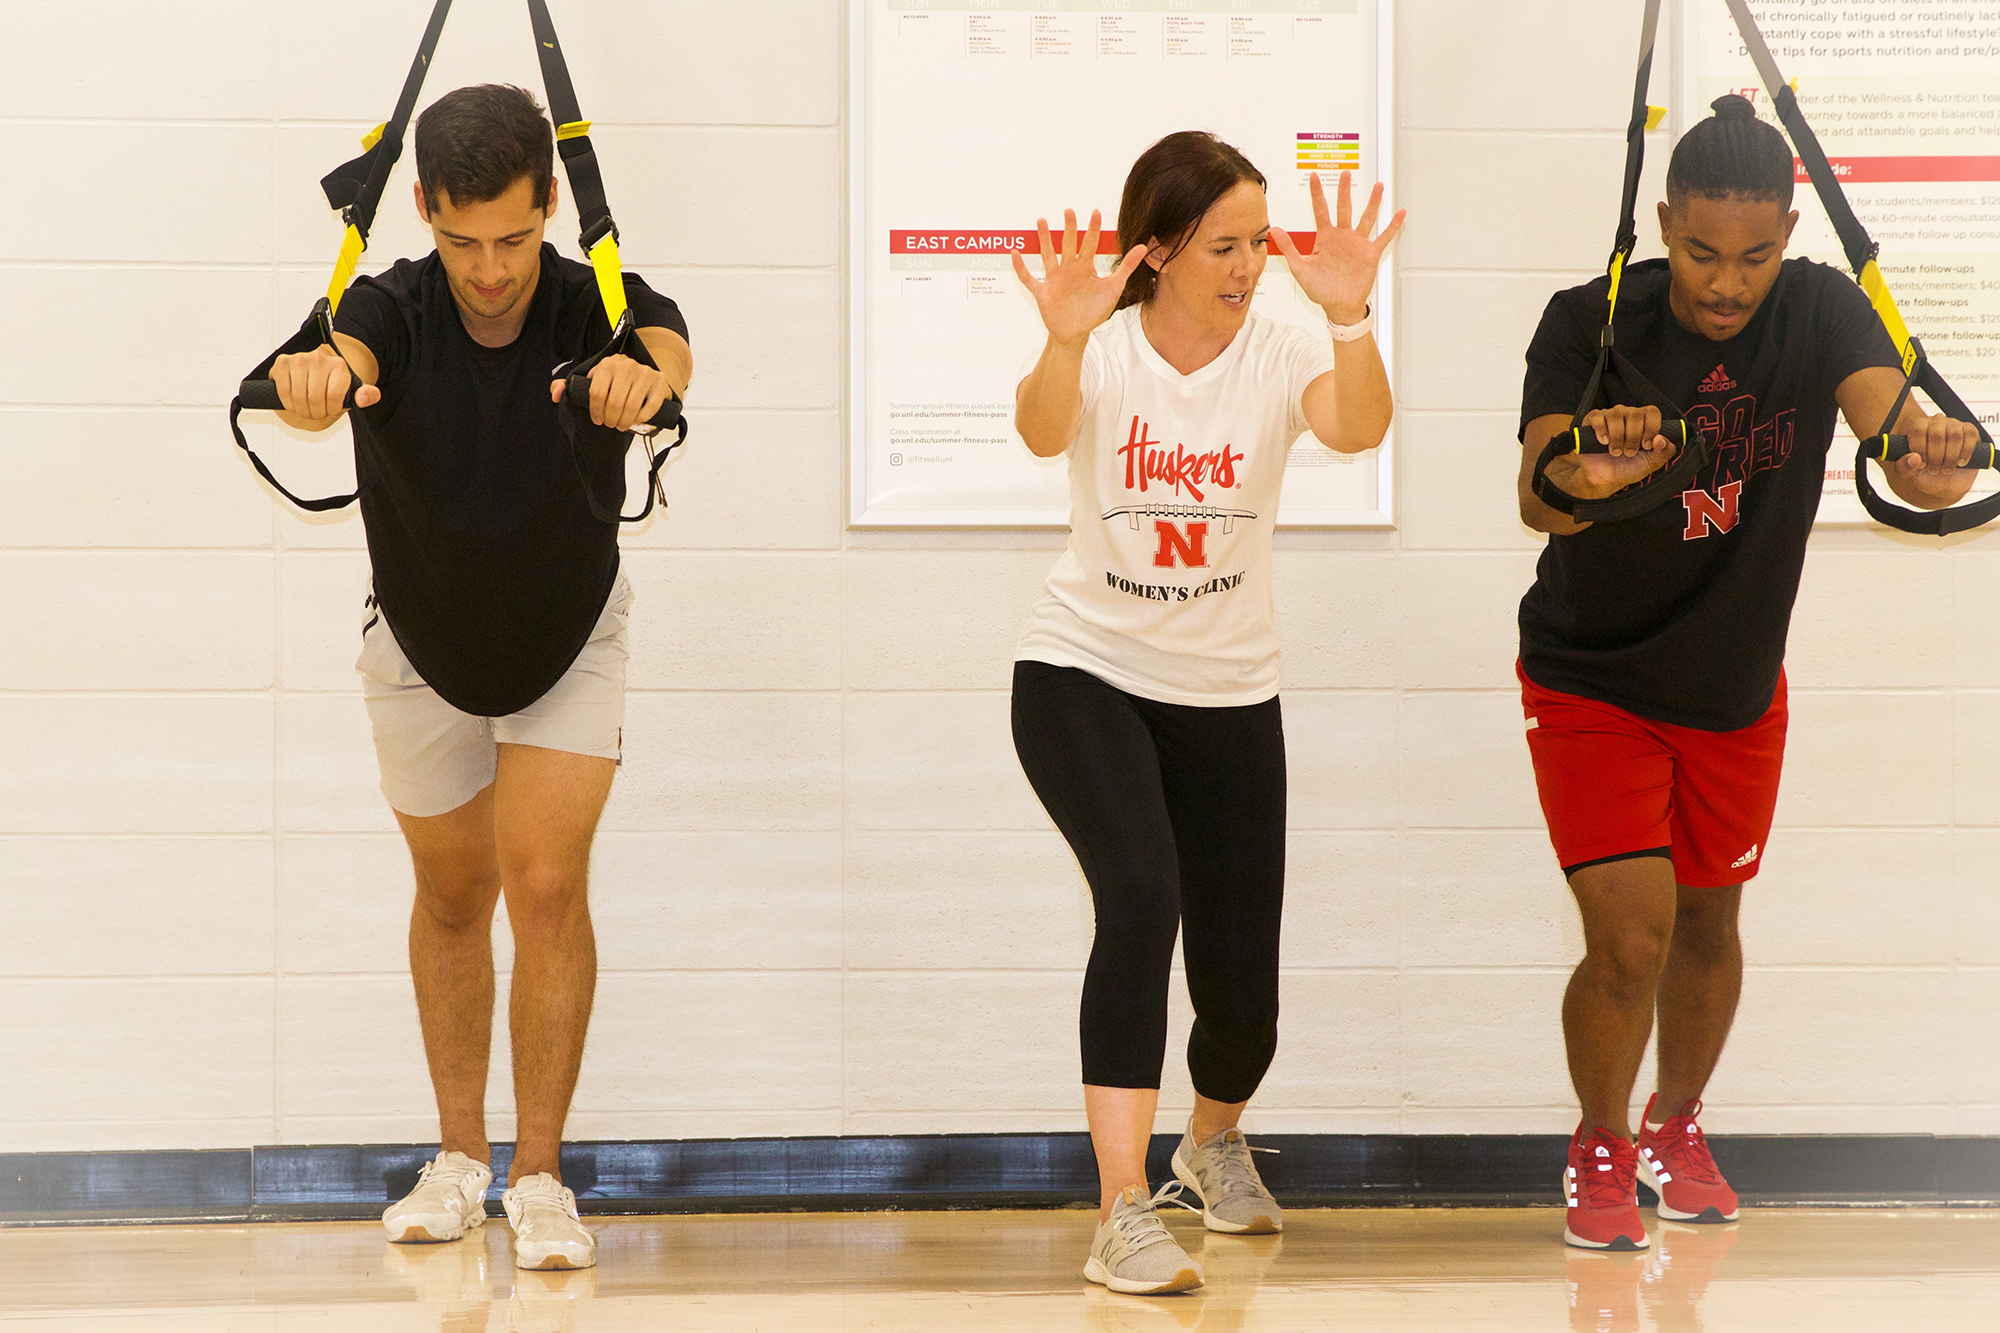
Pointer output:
x,y
1652,649
493,656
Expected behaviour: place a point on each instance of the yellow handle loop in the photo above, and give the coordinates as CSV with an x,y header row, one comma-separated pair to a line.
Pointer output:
x,y
603,255
1877,287
610,278
351,247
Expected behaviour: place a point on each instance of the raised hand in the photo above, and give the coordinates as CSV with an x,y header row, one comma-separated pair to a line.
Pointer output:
x,y
1340,272
1072,297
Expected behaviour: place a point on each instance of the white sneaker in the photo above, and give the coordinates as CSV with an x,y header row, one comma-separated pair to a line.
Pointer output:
x,y
450,1197
1133,1251
547,1231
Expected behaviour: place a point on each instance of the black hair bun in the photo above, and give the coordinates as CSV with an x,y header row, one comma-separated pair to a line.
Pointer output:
x,y
1733,106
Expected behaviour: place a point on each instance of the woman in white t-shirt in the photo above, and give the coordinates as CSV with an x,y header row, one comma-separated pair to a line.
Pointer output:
x,y
1145,705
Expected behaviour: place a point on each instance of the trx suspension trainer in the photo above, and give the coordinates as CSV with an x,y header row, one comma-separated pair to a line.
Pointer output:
x,y
355,188
1692,451
1918,371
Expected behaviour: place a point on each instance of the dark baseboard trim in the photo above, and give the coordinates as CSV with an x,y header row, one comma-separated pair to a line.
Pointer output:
x,y
958,1171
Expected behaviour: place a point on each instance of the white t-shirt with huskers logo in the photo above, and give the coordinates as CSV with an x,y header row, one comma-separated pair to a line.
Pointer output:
x,y
1165,589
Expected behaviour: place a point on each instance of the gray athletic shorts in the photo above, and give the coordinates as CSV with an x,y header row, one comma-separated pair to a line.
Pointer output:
x,y
435,758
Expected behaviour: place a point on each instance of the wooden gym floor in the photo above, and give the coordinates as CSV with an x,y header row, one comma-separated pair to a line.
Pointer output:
x,y
1882,1270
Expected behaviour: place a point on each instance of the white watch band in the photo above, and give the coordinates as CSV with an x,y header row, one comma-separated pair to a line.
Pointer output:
x,y
1347,333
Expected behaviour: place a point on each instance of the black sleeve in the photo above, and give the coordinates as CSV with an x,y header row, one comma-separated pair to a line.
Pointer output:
x,y
1850,332
371,314
1560,358
650,310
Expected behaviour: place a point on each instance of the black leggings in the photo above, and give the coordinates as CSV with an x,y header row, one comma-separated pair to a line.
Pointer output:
x,y
1175,814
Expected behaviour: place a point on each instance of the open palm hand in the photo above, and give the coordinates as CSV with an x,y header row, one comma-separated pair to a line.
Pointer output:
x,y
1072,296
1340,272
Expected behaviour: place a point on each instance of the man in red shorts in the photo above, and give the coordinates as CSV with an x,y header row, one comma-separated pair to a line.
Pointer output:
x,y
1652,649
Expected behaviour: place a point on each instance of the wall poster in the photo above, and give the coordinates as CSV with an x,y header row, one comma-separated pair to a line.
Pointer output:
x,y
1905,98
971,120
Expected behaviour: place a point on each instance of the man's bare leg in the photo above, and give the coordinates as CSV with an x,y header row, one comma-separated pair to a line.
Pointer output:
x,y
1628,926
545,811
1699,988
451,962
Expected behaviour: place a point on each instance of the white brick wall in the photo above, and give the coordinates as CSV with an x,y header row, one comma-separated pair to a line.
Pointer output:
x,y
827,901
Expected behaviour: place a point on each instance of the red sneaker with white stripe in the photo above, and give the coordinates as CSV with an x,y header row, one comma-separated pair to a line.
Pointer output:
x,y
1674,1160
1601,1202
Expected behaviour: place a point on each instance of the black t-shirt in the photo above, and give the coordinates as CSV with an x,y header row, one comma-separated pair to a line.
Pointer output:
x,y
1680,615
489,566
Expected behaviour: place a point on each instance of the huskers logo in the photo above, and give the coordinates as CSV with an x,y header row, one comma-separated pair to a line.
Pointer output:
x,y
1706,514
1146,463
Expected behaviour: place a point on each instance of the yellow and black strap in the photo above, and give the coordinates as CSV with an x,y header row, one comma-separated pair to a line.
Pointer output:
x,y
1918,372
600,245
1691,449
579,159
355,188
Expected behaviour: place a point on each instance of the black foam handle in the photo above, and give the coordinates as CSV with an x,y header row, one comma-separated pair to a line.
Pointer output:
x,y
1889,448
576,393
1582,441
1640,498
263,395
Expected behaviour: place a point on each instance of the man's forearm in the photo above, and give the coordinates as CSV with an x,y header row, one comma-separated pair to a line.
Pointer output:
x,y
1539,517
671,355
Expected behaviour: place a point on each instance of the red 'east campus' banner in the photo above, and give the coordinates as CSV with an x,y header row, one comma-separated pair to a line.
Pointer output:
x,y
1026,242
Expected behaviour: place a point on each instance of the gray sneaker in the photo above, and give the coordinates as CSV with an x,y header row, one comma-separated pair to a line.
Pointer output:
x,y
1222,1176
1133,1251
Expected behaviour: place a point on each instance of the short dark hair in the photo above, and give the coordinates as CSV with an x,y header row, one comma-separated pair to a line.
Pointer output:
x,y
1172,185
1731,153
474,143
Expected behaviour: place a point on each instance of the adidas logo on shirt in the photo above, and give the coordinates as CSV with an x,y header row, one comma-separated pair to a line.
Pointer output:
x,y
1744,859
1718,380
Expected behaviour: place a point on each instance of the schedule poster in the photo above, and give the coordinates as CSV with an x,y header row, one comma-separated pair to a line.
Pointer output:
x,y
969,121
1904,96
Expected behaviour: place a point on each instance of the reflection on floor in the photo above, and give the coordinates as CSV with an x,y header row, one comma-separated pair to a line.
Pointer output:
x,y
1350,1269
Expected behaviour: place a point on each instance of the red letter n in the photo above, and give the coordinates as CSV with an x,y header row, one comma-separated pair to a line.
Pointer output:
x,y
1704,513
1186,550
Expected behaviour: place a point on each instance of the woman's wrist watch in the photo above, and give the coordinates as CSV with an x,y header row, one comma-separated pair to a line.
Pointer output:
x,y
1347,333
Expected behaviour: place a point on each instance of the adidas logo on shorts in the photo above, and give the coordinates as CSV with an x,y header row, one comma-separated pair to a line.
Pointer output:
x,y
1744,859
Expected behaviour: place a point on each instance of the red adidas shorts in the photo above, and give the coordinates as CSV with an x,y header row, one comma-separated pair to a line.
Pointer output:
x,y
1614,784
